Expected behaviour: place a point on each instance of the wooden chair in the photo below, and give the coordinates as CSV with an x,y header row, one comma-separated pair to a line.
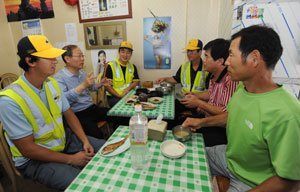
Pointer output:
x,y
7,162
6,79
223,183
19,183
101,101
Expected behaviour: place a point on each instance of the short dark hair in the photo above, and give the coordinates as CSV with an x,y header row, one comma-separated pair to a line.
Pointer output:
x,y
219,48
261,38
69,49
125,48
24,65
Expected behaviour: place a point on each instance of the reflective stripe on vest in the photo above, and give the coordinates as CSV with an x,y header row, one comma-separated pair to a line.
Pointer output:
x,y
122,84
186,79
47,132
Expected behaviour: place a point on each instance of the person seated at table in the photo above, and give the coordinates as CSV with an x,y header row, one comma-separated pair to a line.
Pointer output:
x,y
263,121
31,112
191,75
77,85
123,73
221,88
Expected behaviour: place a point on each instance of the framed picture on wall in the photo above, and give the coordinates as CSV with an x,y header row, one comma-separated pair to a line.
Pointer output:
x,y
99,10
104,35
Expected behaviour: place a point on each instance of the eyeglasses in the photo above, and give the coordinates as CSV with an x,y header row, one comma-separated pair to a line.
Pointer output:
x,y
81,56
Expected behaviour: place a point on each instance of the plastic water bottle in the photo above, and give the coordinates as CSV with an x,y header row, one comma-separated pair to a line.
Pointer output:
x,y
139,139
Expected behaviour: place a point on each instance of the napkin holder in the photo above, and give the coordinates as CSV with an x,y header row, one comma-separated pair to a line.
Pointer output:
x,y
157,131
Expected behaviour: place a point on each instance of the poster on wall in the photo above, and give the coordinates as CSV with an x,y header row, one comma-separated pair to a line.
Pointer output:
x,y
28,9
283,17
99,10
157,43
31,27
100,57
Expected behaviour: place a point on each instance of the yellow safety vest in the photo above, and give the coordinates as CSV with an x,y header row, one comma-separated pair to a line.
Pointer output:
x,y
119,84
185,78
48,129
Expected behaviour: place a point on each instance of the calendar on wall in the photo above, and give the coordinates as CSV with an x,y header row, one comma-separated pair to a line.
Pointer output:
x,y
99,10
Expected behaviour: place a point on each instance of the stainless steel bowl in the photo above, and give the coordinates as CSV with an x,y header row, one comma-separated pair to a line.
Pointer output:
x,y
182,133
164,90
166,84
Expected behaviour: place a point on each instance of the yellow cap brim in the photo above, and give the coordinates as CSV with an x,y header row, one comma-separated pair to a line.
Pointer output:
x,y
191,48
49,53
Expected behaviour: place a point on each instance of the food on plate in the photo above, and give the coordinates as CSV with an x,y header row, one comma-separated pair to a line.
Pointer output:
x,y
146,105
132,97
156,100
113,146
130,101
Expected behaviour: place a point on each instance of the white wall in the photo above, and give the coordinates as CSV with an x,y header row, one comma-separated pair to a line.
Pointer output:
x,y
200,19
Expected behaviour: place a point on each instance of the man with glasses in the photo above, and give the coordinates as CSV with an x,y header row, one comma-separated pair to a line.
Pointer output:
x,y
123,73
77,85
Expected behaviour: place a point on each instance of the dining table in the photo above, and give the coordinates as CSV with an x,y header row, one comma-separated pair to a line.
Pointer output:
x,y
166,108
114,173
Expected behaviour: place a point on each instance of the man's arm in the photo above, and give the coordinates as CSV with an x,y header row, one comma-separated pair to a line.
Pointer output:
x,y
89,81
209,108
33,151
132,85
167,79
111,90
277,184
196,123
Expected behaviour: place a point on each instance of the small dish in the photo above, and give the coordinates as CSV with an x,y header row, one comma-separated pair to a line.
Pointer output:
x,y
130,101
172,149
156,100
119,150
156,94
132,97
181,133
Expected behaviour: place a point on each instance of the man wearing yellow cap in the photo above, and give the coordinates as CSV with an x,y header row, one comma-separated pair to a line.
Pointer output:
x,y
123,73
31,111
191,75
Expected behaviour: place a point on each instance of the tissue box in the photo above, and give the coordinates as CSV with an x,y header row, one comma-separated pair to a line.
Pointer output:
x,y
157,131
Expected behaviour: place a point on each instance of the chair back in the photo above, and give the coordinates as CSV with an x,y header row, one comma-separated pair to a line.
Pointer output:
x,y
6,79
6,160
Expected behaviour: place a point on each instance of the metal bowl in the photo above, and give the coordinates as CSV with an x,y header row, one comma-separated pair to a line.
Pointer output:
x,y
164,90
156,94
166,84
141,90
181,133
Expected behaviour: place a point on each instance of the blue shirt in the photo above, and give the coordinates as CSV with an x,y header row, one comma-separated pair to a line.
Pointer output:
x,y
14,120
68,82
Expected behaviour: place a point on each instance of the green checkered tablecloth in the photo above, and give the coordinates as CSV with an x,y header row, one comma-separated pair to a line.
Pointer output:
x,y
188,173
166,108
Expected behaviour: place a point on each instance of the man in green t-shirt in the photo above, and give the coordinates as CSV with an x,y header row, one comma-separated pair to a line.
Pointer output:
x,y
263,124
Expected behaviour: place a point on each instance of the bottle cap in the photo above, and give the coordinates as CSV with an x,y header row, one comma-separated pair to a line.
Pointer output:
x,y
159,118
138,108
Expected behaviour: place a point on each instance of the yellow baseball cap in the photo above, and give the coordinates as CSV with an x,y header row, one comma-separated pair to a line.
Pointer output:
x,y
38,45
126,44
194,44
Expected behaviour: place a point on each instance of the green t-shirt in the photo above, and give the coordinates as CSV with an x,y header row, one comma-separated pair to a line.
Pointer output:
x,y
263,133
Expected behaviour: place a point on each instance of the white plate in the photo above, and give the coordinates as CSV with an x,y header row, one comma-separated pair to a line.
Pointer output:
x,y
172,149
156,99
119,150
